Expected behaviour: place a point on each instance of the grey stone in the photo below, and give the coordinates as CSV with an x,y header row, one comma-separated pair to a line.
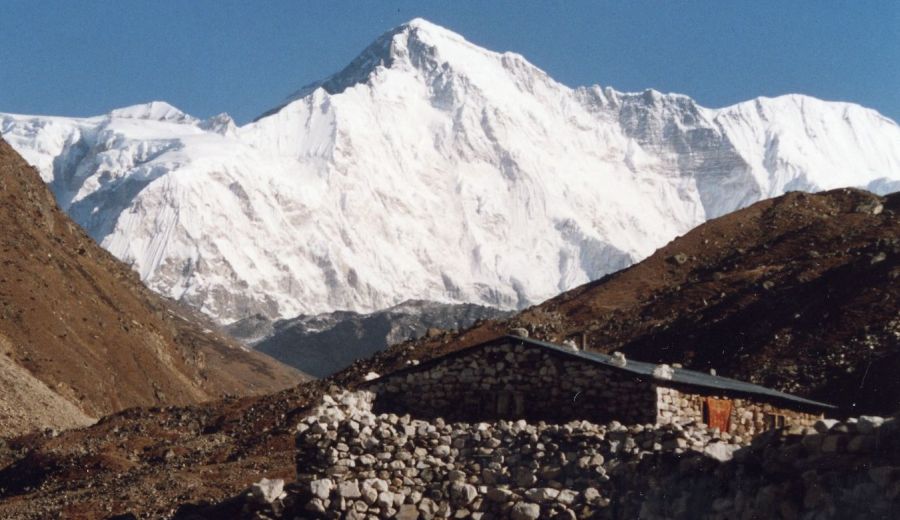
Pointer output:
x,y
542,495
456,476
499,495
316,505
349,489
884,475
525,511
591,495
407,512
567,497
524,477
462,493
441,451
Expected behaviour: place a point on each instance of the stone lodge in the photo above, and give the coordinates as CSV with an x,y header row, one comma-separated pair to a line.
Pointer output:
x,y
519,378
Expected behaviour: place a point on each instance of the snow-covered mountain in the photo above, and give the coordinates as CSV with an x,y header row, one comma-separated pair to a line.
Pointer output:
x,y
430,168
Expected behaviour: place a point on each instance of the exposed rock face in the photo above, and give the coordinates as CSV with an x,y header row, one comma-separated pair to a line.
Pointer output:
x,y
323,344
81,337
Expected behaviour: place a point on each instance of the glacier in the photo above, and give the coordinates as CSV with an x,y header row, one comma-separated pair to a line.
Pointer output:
x,y
432,169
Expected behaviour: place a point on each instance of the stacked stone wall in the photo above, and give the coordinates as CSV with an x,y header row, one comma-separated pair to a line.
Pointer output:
x,y
508,381
749,417
354,464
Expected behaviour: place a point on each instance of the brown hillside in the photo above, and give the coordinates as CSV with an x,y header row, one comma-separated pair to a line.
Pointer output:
x,y
800,293
79,324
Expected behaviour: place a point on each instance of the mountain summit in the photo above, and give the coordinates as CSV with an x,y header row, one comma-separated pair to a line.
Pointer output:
x,y
419,47
430,168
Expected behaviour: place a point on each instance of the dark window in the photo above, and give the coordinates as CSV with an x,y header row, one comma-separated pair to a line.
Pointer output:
x,y
774,421
503,404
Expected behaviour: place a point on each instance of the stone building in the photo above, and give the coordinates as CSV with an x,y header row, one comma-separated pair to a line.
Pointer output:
x,y
519,378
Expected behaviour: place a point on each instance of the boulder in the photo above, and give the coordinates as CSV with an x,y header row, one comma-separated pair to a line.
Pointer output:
x,y
321,488
525,511
268,490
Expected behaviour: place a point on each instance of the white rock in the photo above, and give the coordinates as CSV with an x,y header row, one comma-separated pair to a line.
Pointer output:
x,y
868,423
720,451
349,489
321,488
385,499
663,371
824,425
268,490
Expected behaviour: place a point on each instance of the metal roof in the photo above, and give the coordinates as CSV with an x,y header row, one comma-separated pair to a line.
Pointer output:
x,y
680,376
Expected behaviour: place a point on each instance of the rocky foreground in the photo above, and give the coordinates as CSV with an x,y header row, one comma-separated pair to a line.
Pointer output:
x,y
352,463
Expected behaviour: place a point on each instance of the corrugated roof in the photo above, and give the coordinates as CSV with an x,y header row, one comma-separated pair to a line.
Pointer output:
x,y
680,376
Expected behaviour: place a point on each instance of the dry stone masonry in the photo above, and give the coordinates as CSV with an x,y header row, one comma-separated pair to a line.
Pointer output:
x,y
352,463
748,417
355,464
515,381
520,380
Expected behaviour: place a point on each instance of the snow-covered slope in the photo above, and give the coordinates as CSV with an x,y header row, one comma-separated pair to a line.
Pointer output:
x,y
430,168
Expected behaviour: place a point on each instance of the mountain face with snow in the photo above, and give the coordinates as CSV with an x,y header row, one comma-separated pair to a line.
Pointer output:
x,y
430,168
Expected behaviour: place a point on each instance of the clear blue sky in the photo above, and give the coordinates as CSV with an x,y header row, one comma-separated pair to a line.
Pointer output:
x,y
206,57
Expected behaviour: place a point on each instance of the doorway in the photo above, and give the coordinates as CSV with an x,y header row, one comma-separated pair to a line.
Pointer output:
x,y
717,413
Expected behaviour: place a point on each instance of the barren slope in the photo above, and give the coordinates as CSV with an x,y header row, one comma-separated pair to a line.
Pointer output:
x,y
27,404
80,322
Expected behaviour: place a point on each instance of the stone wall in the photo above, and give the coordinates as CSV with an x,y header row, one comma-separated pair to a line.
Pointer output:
x,y
507,381
748,417
354,464
838,470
